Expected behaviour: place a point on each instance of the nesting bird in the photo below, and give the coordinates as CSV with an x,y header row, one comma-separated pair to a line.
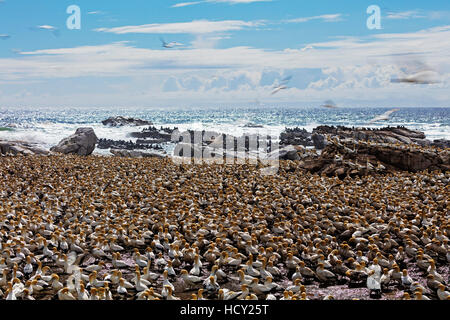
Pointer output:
x,y
95,228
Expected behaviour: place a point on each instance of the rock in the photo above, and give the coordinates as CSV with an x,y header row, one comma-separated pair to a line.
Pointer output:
x,y
445,157
253,125
134,154
390,135
21,147
319,141
285,153
150,141
351,157
402,131
153,133
296,136
122,121
441,143
81,143
127,145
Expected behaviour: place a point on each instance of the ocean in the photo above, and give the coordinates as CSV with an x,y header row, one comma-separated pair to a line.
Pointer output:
x,y
47,126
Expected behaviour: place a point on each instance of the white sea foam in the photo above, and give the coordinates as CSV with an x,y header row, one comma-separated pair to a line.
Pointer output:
x,y
49,133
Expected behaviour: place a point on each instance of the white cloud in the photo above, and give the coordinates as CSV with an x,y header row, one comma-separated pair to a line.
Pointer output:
x,y
192,27
185,4
418,14
413,14
325,17
347,69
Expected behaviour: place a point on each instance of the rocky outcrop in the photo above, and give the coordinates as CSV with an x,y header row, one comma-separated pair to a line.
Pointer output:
x,y
353,158
134,154
285,153
391,135
319,141
296,137
128,145
253,125
164,134
82,143
441,143
122,121
20,148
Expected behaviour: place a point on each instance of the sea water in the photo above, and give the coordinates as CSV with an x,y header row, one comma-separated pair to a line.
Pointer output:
x,y
47,126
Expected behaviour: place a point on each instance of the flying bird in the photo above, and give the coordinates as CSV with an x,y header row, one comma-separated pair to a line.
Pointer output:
x,y
423,77
417,72
45,27
282,85
308,47
279,88
329,104
385,116
170,44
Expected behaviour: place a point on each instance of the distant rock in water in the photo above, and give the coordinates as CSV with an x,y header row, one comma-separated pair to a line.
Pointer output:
x,y
128,145
82,143
122,121
163,134
253,125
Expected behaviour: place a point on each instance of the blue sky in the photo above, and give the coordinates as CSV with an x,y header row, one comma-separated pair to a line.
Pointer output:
x,y
232,52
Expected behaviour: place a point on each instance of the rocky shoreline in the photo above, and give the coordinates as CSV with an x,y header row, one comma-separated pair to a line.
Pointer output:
x,y
333,151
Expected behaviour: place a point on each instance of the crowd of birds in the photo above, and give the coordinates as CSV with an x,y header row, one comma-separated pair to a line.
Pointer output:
x,y
99,228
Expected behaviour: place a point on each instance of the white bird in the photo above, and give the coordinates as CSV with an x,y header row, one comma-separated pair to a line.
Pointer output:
x,y
373,281
282,85
279,88
64,294
385,116
422,77
190,280
121,289
166,281
329,104
407,281
118,263
211,286
170,45
169,294
226,294
442,294
148,275
195,271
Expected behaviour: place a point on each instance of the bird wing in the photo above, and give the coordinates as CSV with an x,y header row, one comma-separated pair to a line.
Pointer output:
x,y
278,89
384,116
287,79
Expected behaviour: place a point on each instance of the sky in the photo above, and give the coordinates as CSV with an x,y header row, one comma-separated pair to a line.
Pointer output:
x,y
226,52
